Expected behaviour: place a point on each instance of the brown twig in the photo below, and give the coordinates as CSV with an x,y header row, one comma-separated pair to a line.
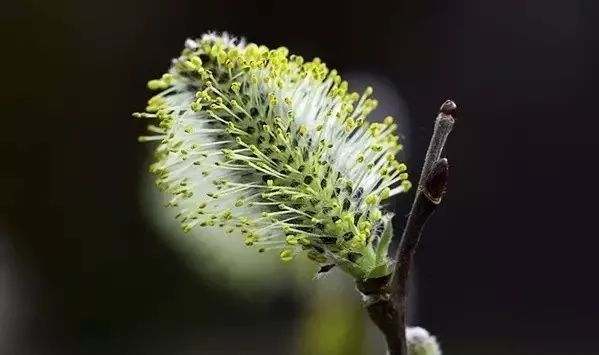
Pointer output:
x,y
385,298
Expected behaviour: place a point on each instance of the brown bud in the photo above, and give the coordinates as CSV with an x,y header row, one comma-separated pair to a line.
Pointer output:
x,y
436,181
449,107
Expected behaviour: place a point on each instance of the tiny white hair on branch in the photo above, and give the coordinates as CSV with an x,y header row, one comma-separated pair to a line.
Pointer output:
x,y
260,141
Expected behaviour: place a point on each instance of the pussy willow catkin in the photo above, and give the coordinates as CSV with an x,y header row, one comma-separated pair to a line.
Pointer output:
x,y
264,142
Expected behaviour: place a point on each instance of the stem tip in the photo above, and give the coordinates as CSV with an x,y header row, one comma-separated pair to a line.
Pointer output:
x,y
449,107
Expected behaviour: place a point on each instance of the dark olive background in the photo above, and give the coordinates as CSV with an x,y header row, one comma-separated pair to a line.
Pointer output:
x,y
508,264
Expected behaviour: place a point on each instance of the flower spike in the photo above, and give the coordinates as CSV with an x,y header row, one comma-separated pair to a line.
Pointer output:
x,y
261,141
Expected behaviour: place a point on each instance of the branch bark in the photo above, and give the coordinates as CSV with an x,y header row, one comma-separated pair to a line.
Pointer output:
x,y
385,298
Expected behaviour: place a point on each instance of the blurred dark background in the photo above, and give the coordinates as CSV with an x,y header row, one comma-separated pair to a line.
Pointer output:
x,y
507,265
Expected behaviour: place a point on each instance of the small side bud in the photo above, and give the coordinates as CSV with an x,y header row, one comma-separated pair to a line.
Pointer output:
x,y
436,181
420,342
